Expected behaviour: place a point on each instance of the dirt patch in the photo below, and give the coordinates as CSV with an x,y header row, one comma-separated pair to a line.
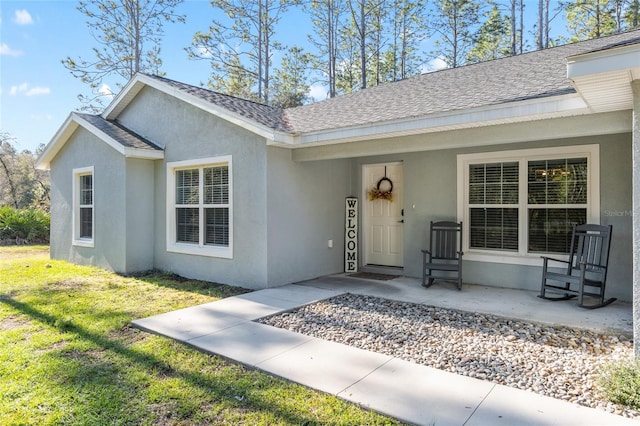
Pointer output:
x,y
13,322
18,252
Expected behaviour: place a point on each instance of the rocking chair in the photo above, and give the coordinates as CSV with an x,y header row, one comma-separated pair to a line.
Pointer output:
x,y
444,258
586,267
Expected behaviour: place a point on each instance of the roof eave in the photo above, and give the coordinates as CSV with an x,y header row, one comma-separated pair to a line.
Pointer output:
x,y
509,112
603,78
69,127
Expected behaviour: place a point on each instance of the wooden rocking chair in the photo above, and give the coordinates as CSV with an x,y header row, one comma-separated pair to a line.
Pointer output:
x,y
586,267
444,258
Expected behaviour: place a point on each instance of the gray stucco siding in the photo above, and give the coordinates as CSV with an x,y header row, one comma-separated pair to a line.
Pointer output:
x,y
109,202
305,208
140,176
188,133
430,185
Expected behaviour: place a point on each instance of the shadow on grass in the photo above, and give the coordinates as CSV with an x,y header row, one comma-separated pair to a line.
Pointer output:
x,y
101,374
176,282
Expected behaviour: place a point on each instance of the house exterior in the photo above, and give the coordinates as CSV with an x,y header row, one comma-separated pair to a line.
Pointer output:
x,y
208,186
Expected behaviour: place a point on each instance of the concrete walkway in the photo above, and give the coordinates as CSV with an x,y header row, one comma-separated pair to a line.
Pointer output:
x,y
404,390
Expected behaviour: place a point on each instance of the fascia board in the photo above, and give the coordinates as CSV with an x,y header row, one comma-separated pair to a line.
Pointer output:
x,y
573,126
562,105
56,143
606,61
125,96
143,153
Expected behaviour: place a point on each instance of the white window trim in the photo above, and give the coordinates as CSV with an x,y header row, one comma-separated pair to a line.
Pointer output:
x,y
196,249
75,215
591,152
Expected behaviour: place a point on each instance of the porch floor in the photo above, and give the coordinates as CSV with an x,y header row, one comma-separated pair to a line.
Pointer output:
x,y
504,302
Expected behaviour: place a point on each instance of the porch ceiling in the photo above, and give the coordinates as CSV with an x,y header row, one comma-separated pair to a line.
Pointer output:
x,y
603,78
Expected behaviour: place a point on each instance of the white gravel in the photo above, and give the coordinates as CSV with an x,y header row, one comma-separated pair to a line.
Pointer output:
x,y
559,362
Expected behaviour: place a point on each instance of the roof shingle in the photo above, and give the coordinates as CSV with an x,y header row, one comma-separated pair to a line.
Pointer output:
x,y
119,133
530,75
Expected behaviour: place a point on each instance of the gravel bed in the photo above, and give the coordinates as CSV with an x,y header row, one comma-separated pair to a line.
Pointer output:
x,y
559,362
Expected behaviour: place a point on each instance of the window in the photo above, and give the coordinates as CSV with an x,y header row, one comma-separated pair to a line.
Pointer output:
x,y
199,207
83,217
523,203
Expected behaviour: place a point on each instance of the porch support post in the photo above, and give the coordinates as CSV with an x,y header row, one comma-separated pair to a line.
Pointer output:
x,y
636,217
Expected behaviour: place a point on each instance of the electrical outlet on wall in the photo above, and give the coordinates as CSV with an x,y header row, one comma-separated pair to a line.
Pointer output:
x,y
330,243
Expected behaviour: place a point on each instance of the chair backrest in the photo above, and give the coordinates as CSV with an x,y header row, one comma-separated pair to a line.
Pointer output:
x,y
446,240
590,244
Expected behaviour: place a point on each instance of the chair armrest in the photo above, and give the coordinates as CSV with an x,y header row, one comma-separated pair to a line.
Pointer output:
x,y
545,259
597,265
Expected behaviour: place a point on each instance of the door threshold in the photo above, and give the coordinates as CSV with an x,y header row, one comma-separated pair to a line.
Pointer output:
x,y
381,269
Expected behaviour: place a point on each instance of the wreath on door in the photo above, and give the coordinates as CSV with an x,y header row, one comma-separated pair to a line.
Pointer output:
x,y
383,190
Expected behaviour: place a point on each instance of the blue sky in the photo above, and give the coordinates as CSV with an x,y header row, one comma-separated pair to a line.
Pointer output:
x,y
37,93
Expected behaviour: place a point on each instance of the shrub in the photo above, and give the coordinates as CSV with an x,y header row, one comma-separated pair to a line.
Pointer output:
x,y
621,383
26,225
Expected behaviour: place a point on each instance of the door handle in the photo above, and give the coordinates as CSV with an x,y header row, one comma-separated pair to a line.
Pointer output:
x,y
401,221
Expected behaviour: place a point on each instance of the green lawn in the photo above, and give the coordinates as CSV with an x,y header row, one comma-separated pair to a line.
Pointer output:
x,y
69,356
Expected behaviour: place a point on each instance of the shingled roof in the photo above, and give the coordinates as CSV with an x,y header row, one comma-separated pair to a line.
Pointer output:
x,y
532,75
119,133
266,115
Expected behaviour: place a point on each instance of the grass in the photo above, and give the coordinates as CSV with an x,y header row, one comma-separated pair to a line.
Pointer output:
x,y
69,356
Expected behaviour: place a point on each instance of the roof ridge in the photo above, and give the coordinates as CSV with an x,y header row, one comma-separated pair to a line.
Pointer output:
x,y
169,80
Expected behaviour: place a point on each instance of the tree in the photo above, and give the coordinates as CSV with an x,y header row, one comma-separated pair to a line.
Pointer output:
x,y
238,80
515,6
244,45
128,33
587,19
401,58
493,39
365,16
348,69
456,22
631,15
290,86
21,185
326,17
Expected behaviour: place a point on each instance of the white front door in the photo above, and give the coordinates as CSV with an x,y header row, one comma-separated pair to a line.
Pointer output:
x,y
383,219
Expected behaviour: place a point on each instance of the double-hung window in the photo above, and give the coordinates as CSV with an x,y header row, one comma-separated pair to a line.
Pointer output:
x,y
83,211
199,214
518,204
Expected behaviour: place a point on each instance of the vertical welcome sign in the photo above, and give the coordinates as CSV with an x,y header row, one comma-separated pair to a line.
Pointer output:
x,y
351,235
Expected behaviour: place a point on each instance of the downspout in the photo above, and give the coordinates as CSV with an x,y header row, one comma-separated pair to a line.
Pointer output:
x,y
635,85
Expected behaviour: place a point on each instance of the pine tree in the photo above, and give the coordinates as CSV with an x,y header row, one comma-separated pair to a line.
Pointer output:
x,y
493,38
129,33
248,34
456,22
587,19
290,87
327,17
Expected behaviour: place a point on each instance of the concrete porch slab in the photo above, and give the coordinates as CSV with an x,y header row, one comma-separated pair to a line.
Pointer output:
x,y
509,303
